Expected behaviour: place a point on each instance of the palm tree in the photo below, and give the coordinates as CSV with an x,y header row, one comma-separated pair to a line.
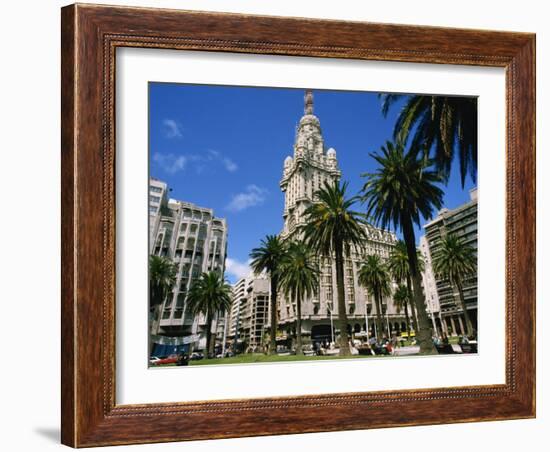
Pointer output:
x,y
374,276
402,190
162,277
454,261
398,266
268,257
208,295
401,299
299,279
444,124
332,229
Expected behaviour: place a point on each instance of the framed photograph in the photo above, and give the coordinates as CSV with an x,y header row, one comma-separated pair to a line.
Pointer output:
x,y
281,225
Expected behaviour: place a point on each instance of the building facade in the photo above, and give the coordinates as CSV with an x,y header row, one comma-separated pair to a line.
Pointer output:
x,y
196,241
249,313
304,174
461,222
430,287
158,199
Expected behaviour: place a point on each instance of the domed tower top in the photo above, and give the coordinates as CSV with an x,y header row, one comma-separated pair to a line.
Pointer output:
x,y
309,139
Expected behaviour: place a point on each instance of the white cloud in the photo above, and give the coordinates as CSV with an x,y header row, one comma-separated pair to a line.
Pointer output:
x,y
237,269
170,162
171,128
216,156
252,196
230,165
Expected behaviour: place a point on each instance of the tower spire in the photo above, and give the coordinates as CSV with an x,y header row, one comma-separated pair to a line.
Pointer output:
x,y
308,102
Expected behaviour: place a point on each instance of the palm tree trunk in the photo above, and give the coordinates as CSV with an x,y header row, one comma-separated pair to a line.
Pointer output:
x,y
379,320
342,316
413,312
273,335
299,350
407,321
469,327
424,333
209,335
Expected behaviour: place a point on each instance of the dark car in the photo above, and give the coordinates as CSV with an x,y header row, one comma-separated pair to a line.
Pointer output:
x,y
445,349
196,356
183,360
470,347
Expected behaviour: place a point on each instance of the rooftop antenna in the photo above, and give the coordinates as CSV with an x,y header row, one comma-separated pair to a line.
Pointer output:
x,y
308,101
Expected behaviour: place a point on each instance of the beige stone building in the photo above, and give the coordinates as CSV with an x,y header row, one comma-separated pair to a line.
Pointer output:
x,y
304,173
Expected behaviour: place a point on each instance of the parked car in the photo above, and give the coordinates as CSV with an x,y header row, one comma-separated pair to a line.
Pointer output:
x,y
153,360
470,347
172,359
365,349
183,360
196,355
445,349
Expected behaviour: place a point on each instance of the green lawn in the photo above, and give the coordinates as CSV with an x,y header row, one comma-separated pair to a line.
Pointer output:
x,y
261,358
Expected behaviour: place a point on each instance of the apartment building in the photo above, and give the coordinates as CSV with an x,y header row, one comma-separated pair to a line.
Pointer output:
x,y
249,313
196,241
462,222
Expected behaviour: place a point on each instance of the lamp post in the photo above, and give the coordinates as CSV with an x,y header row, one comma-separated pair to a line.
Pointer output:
x,y
236,336
331,326
224,334
388,321
367,319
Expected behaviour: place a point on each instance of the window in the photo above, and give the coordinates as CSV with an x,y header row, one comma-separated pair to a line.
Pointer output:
x,y
155,189
154,199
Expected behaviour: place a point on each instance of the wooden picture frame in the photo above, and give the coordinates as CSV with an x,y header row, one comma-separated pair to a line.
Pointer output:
x,y
90,36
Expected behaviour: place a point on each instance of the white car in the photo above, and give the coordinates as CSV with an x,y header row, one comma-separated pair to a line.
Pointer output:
x,y
153,360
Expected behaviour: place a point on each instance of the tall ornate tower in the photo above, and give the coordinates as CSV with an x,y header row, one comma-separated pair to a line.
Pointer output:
x,y
311,166
303,175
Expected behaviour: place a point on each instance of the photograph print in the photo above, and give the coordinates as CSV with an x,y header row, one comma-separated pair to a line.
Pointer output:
x,y
294,224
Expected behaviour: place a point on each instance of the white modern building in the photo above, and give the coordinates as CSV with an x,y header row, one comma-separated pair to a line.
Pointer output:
x,y
304,173
196,241
462,222
249,313
430,287
158,198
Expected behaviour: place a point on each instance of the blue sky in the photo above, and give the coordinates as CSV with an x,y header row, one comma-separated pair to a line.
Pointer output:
x,y
223,147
